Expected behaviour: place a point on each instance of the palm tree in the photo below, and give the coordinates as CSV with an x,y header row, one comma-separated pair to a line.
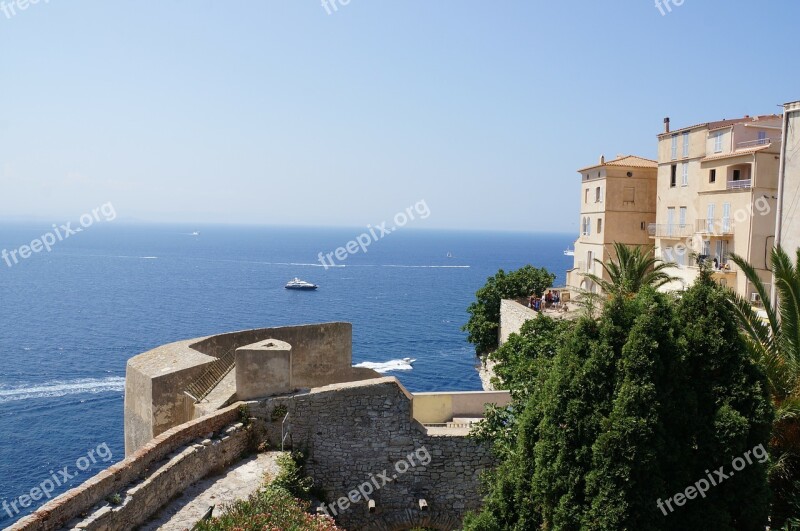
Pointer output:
x,y
774,339
633,268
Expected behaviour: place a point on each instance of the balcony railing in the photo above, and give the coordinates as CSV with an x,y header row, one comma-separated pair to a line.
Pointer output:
x,y
674,230
715,227
739,185
758,142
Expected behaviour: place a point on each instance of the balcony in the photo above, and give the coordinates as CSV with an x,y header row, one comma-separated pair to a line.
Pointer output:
x,y
715,227
740,185
670,230
758,142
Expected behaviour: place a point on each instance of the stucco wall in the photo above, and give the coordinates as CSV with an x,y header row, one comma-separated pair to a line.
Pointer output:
x,y
790,230
512,316
437,408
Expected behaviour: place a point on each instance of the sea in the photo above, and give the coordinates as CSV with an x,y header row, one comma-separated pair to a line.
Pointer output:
x,y
70,319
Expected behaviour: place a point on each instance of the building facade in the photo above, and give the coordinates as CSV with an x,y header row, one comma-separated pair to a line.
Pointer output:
x,y
788,224
716,195
618,203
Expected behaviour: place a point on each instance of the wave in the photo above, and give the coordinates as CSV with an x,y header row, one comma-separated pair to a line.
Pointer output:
x,y
404,364
62,388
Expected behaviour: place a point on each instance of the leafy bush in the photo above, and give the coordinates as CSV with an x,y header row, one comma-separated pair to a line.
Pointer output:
x,y
273,509
484,321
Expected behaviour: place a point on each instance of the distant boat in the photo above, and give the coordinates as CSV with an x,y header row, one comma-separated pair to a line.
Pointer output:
x,y
449,255
569,252
195,233
302,285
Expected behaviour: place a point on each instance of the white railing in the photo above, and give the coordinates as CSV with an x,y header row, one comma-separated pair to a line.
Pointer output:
x,y
669,230
739,185
759,142
714,226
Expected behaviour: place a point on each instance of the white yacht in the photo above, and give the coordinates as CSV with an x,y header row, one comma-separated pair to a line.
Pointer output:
x,y
296,283
569,252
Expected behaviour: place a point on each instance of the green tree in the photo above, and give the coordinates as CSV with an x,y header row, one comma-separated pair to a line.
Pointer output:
x,y
632,268
484,321
775,343
634,407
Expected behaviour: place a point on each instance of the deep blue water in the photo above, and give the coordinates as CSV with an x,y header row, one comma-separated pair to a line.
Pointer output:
x,y
71,318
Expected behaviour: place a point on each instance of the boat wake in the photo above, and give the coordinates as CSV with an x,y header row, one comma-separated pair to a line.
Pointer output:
x,y
59,388
404,364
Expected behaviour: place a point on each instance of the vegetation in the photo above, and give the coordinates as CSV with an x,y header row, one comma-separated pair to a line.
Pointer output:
x,y
282,505
775,343
634,268
484,321
610,416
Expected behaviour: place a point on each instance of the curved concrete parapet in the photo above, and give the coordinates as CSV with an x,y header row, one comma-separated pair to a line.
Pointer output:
x,y
321,354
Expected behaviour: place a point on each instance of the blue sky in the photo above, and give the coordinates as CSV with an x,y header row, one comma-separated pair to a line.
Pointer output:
x,y
278,113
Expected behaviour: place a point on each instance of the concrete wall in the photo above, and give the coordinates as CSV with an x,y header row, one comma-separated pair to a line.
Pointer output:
x,y
437,408
790,223
154,385
512,316
155,380
147,479
356,431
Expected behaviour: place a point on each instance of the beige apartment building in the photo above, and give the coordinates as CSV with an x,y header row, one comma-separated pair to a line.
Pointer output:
x,y
618,203
717,195
788,223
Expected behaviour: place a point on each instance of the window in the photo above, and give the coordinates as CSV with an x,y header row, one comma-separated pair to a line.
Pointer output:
x,y
685,174
710,217
629,194
762,137
682,217
670,221
586,227
706,248
669,254
726,217
642,225
673,179
718,142
712,176
674,147
737,175
599,226
597,197
686,144
586,196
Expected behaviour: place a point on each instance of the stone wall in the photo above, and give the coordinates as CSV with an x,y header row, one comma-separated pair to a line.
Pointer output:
x,y
512,316
354,432
149,478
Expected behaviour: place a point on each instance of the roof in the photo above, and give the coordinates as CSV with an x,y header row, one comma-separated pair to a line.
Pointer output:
x,y
720,124
625,161
737,153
